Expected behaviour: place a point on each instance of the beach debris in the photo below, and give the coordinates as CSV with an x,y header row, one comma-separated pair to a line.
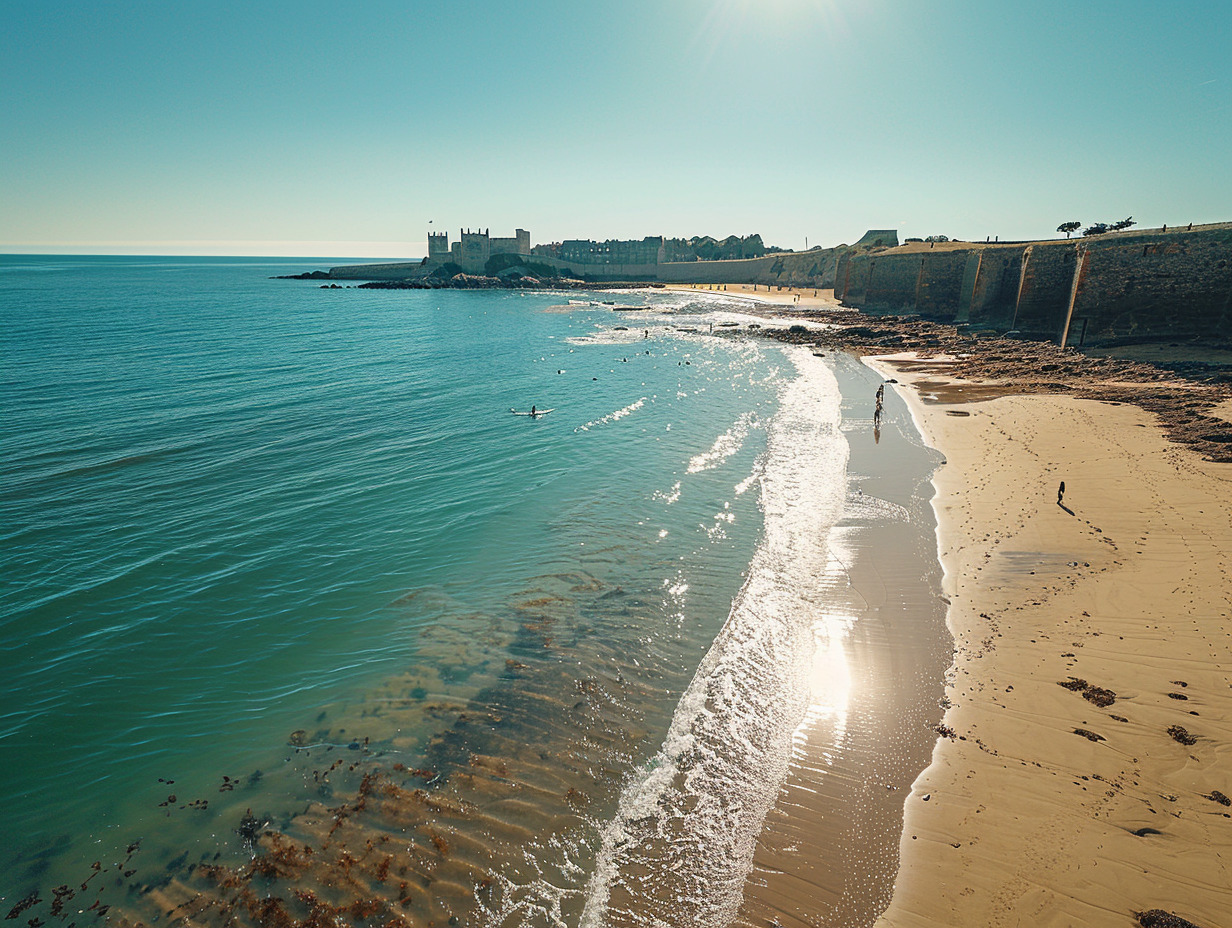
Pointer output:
x,y
1089,735
1143,832
1216,796
1177,696
1158,918
1181,735
1098,695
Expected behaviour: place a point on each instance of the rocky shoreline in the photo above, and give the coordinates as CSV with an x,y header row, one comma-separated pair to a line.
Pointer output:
x,y
1182,394
473,282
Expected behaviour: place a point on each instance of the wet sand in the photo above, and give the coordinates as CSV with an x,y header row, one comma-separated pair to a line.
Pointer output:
x,y
829,850
1085,774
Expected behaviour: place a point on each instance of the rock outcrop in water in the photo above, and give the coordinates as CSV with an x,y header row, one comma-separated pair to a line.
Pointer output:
x,y
474,282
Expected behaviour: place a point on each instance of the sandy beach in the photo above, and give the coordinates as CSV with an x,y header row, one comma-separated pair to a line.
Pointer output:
x,y
1083,774
801,297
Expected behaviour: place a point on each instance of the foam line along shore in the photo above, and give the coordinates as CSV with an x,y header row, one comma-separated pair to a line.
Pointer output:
x,y
828,852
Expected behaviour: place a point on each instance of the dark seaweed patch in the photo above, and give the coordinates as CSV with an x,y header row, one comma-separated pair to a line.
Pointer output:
x,y
1158,918
1089,735
1180,734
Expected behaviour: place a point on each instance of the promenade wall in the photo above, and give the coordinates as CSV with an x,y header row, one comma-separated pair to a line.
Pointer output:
x,y
1126,286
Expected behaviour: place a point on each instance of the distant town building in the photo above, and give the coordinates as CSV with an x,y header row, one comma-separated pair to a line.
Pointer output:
x,y
648,250
474,249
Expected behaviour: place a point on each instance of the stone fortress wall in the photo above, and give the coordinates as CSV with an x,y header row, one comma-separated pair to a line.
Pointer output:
x,y
1121,286
1113,287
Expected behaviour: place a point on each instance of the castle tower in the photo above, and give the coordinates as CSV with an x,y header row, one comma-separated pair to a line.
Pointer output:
x,y
438,247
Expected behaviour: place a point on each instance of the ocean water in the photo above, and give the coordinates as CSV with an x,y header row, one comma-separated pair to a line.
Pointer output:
x,y
299,623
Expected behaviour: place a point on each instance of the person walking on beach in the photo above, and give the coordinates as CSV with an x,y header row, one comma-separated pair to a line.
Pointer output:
x,y
1061,493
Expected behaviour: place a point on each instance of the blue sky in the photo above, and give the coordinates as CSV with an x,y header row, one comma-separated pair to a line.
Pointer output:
x,y
328,129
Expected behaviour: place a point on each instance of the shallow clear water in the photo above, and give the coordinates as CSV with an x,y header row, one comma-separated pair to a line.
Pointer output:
x,y
253,528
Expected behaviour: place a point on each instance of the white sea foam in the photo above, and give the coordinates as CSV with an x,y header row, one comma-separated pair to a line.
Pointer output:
x,y
682,840
671,496
724,446
612,416
743,486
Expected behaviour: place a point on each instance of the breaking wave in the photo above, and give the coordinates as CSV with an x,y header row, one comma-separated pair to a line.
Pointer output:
x,y
686,826
724,446
612,416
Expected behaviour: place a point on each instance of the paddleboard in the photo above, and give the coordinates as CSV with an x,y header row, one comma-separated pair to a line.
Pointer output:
x,y
537,413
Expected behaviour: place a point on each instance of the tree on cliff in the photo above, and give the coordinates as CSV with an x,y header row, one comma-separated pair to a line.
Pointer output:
x,y
1101,227
1069,227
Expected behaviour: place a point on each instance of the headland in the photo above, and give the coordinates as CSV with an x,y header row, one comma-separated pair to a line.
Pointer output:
x,y
1109,288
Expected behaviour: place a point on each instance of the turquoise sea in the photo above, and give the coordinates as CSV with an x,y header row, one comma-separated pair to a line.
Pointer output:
x,y
299,624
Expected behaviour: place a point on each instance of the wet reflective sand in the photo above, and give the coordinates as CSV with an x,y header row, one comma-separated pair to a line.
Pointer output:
x,y
829,852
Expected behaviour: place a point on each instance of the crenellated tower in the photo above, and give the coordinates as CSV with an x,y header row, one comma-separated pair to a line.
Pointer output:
x,y
438,247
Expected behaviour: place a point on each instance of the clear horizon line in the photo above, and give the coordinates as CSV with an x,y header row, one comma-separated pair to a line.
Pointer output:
x,y
254,248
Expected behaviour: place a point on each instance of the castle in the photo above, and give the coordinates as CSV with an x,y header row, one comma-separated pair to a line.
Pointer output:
x,y
473,249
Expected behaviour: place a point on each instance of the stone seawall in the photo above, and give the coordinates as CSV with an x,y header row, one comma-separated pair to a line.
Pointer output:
x,y
798,269
1141,285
